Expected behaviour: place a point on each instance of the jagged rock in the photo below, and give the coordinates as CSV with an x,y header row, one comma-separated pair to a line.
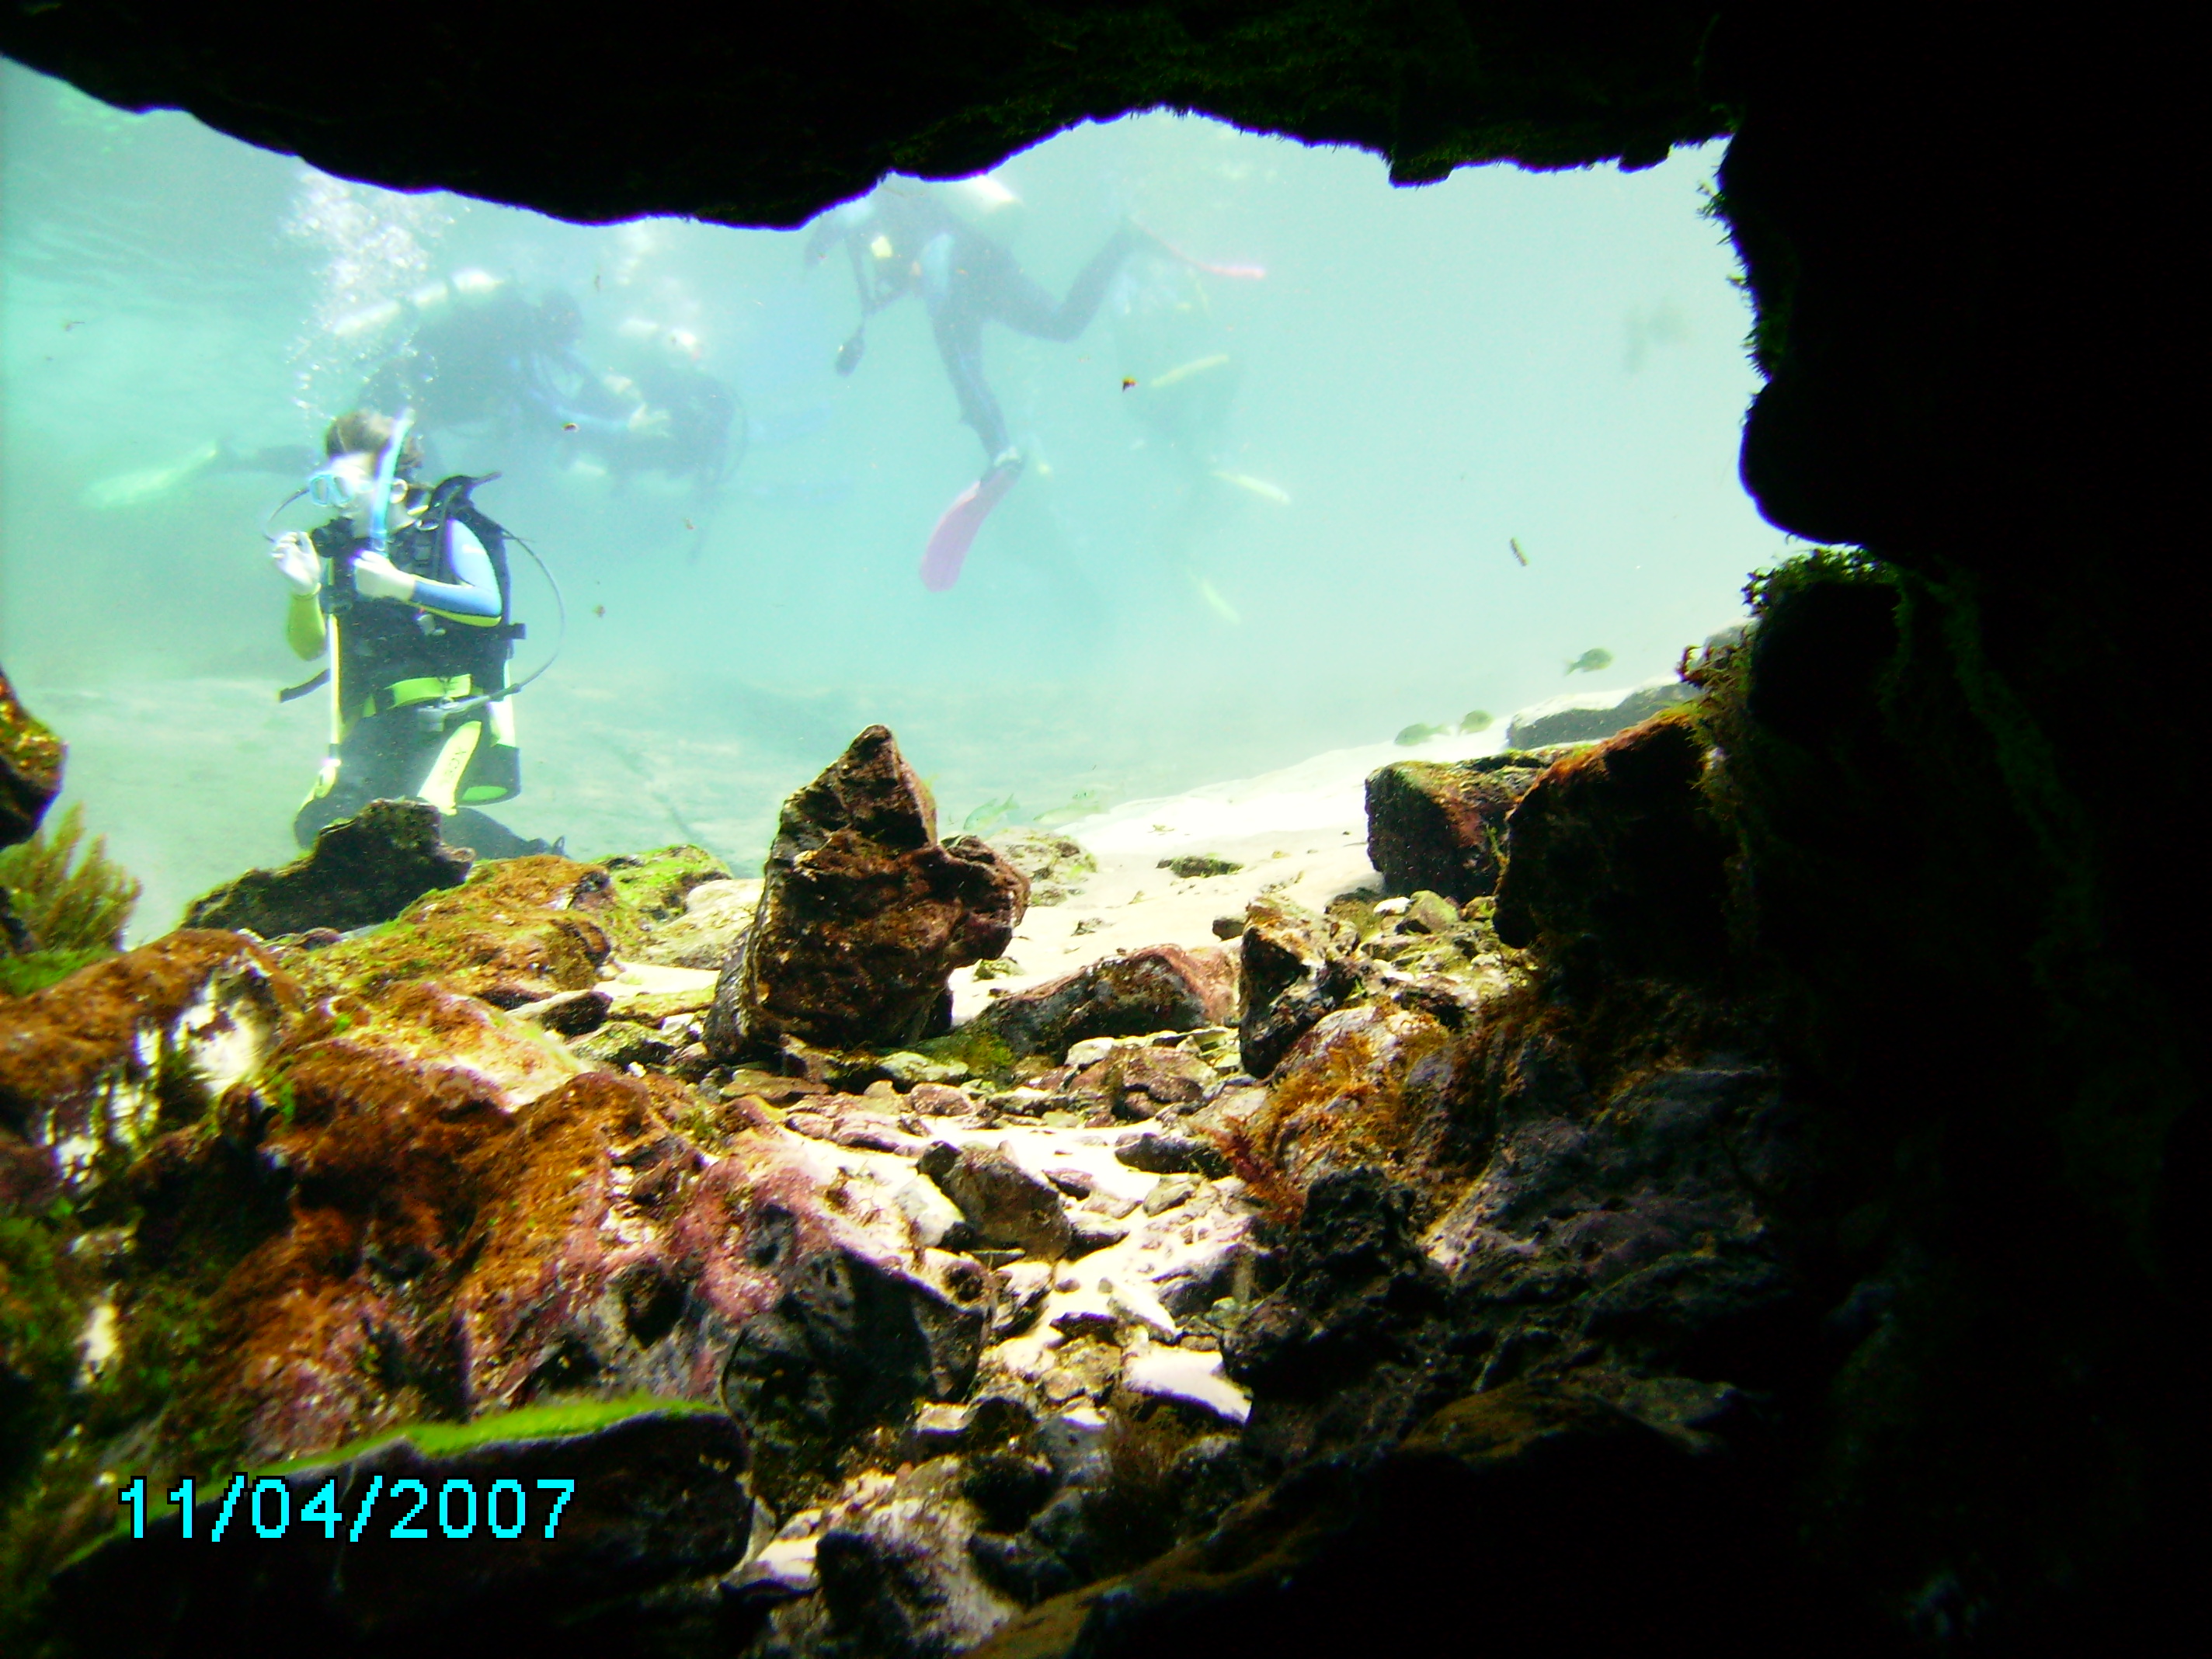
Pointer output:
x,y
1441,824
1343,1349
658,1499
1294,967
1056,867
1615,858
1589,716
1003,1202
1650,1230
94,1067
1159,987
364,869
898,1579
30,768
853,1338
1380,1085
863,914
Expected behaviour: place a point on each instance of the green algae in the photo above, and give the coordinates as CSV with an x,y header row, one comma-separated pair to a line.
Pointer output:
x,y
551,1419
73,898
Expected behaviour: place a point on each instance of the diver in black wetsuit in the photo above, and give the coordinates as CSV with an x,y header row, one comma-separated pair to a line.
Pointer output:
x,y
482,352
903,240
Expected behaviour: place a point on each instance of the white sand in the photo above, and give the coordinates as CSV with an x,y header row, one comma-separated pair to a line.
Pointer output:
x,y
1301,831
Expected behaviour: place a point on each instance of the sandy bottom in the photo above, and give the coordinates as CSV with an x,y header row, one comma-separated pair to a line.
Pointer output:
x,y
1301,831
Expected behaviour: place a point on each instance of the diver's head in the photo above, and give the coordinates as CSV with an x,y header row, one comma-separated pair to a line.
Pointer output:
x,y
357,447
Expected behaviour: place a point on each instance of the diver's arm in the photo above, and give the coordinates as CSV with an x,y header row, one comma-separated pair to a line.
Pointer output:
x,y
303,627
473,599
297,561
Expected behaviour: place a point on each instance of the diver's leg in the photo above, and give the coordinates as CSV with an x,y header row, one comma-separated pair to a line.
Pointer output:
x,y
373,764
1016,300
960,343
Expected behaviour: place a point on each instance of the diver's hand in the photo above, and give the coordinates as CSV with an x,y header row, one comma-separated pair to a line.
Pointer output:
x,y
295,560
378,578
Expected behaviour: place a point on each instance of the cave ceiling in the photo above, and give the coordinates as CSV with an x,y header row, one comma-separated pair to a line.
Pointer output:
x,y
763,116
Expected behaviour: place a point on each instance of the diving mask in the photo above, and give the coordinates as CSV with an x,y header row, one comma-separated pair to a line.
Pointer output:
x,y
333,488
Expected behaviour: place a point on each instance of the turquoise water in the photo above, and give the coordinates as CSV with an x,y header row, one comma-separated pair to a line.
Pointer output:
x,y
1182,588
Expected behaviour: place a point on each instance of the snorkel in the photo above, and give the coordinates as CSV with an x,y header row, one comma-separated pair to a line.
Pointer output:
x,y
380,504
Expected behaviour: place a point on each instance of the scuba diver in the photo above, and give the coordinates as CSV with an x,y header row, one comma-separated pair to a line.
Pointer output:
x,y
482,353
690,415
407,590
903,240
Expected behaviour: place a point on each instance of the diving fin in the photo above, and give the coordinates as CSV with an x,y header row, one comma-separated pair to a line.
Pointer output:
x,y
956,532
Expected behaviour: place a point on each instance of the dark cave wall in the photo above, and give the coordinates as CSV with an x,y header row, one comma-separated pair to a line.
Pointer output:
x,y
1964,779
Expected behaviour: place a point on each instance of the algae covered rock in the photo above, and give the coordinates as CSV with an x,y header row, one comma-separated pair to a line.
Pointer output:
x,y
30,768
864,915
1615,856
94,1067
518,931
1056,865
1441,824
362,870
1157,987
1293,967
653,895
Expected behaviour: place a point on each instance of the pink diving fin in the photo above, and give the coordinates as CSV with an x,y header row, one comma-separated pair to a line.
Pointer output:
x,y
956,532
1240,272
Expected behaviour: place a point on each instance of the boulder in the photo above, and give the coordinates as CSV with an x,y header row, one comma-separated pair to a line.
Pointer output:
x,y
1441,824
899,1578
1157,987
1294,967
654,1498
362,870
94,1068
1614,859
1002,1201
1587,716
864,915
853,1338
517,931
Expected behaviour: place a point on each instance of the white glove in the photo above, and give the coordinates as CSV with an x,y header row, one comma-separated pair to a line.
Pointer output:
x,y
295,560
378,578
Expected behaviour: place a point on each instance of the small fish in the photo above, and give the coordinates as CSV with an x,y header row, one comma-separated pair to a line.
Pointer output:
x,y
1475,720
596,287
567,426
1217,604
69,326
1591,661
598,611
687,524
1259,487
1081,805
1184,371
989,814
1419,733
1514,542
1127,383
